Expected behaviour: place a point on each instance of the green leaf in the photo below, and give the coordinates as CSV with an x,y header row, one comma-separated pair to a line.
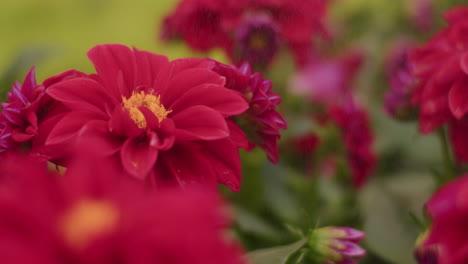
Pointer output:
x,y
385,203
249,222
275,255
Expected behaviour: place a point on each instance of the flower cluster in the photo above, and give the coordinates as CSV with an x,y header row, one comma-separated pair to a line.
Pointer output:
x,y
248,29
328,85
151,116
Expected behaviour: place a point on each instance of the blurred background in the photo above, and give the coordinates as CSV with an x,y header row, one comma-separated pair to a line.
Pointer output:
x,y
275,201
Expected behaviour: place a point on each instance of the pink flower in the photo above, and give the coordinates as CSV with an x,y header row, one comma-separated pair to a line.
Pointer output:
x,y
162,122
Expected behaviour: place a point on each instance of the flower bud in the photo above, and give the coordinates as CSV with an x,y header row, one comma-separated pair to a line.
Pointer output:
x,y
336,245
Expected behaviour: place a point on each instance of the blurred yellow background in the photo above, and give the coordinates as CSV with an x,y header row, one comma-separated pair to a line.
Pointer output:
x,y
55,35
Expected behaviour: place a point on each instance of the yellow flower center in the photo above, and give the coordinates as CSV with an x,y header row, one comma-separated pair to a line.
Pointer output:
x,y
88,219
150,101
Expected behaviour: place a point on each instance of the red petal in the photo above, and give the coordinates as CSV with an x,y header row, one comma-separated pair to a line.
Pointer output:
x,y
224,159
111,62
187,165
68,127
237,135
464,62
98,131
223,100
148,66
458,98
186,80
191,63
138,157
458,130
122,124
200,122
81,94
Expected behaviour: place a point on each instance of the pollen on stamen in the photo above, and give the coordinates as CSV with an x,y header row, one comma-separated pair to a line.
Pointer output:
x,y
150,101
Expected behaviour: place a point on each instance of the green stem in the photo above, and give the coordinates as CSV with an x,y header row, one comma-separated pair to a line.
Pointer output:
x,y
446,154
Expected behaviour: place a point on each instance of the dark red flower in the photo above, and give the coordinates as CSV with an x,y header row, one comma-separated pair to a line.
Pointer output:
x,y
401,83
206,24
328,81
441,67
162,122
446,241
261,122
94,215
356,132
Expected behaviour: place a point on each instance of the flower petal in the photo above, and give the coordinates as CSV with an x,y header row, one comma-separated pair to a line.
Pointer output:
x,y
200,122
458,98
115,65
69,126
122,124
227,102
98,131
148,67
186,80
138,156
458,130
81,94
224,160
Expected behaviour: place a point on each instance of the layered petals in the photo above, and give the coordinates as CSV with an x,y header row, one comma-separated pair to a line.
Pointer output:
x,y
261,122
145,111
440,67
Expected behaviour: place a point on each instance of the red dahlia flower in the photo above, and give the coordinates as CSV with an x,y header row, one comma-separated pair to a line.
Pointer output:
x,y
441,67
446,241
94,216
356,132
206,24
261,122
163,122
